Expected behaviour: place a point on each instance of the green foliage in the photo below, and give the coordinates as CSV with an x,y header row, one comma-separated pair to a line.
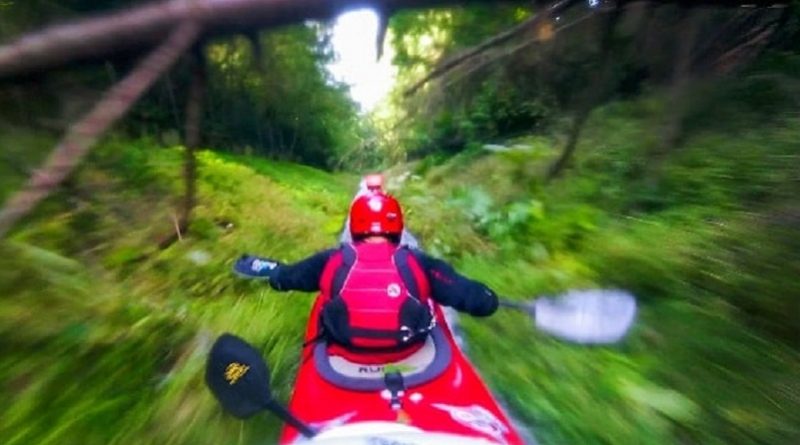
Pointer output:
x,y
526,82
767,90
420,37
21,152
709,247
468,112
495,110
293,110
281,103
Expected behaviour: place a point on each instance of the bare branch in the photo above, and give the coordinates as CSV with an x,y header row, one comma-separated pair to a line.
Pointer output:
x,y
84,134
756,40
549,11
513,51
493,41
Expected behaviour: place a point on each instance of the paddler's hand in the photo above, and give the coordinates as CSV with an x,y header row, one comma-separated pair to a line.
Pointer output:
x,y
249,266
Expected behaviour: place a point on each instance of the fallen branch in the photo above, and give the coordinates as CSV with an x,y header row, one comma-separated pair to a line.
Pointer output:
x,y
84,134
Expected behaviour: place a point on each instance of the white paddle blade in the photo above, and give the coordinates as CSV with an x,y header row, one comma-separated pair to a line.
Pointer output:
x,y
588,316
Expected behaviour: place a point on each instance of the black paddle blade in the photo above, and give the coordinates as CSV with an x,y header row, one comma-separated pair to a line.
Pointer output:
x,y
238,376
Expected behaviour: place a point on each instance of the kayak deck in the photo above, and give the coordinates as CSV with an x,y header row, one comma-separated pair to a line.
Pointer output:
x,y
442,393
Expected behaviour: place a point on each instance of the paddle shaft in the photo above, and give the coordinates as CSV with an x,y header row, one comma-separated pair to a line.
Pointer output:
x,y
284,414
520,306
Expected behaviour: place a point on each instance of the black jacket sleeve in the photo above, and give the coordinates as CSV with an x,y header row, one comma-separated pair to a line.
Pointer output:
x,y
303,275
452,289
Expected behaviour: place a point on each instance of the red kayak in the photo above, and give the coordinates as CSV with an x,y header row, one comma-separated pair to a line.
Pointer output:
x,y
435,390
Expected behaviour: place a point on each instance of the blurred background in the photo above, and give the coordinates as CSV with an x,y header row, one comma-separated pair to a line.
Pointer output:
x,y
540,147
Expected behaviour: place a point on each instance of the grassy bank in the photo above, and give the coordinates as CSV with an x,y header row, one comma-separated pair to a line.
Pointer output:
x,y
103,335
708,241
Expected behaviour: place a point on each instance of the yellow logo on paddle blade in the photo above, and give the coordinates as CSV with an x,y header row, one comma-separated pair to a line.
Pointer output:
x,y
235,371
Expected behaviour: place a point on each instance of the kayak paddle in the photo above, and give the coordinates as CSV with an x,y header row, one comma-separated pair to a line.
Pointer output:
x,y
239,379
585,316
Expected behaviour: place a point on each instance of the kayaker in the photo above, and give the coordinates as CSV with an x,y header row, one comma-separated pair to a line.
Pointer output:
x,y
373,183
377,291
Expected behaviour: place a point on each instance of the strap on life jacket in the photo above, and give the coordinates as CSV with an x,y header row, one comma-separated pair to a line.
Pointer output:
x,y
416,310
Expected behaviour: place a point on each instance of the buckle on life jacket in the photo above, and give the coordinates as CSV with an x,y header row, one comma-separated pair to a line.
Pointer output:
x,y
407,334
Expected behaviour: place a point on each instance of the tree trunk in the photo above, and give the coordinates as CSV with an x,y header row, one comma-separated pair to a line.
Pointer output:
x,y
295,133
672,126
271,135
557,167
597,88
172,102
194,116
281,143
259,133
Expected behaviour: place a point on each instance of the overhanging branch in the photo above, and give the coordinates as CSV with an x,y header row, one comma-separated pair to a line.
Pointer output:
x,y
449,64
142,26
552,10
513,51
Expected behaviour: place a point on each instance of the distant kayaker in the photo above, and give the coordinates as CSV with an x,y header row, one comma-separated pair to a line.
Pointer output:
x,y
377,292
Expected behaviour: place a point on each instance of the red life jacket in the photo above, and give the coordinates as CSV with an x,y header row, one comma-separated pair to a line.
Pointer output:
x,y
376,302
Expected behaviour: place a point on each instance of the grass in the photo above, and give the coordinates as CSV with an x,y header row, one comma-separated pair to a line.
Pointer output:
x,y
103,345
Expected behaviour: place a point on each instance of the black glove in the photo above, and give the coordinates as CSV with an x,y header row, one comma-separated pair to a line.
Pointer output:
x,y
253,267
483,302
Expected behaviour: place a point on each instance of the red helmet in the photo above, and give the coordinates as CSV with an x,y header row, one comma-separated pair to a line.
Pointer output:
x,y
375,214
